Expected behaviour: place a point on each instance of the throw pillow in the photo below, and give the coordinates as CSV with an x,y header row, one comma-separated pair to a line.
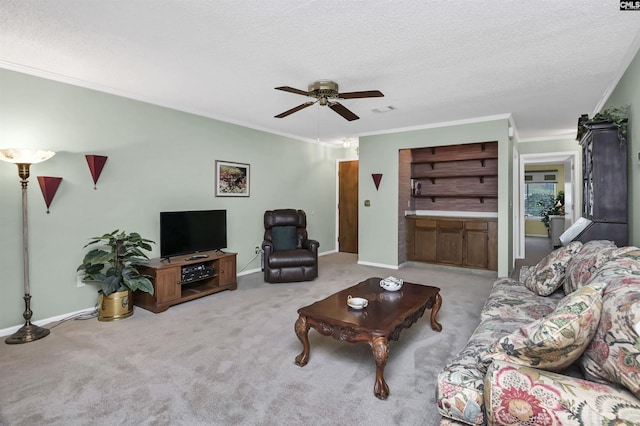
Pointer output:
x,y
525,272
284,238
583,264
553,342
614,353
546,277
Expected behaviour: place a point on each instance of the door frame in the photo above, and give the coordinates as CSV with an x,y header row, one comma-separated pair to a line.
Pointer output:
x,y
572,160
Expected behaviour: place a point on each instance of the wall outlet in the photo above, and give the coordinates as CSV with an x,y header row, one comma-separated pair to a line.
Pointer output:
x,y
79,282
258,249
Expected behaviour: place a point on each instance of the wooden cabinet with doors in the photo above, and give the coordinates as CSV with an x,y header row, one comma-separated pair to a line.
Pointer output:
x,y
463,242
450,240
604,191
183,278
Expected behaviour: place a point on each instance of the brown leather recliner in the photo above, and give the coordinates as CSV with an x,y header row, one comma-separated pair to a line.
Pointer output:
x,y
288,254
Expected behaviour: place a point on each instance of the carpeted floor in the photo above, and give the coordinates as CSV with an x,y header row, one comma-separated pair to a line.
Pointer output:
x,y
228,359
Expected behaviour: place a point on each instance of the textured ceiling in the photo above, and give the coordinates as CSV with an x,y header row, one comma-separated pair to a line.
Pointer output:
x,y
543,62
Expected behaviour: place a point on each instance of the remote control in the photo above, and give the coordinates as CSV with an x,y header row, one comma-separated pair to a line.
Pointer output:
x,y
197,256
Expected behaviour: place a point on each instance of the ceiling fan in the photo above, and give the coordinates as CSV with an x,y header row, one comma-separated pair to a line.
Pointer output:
x,y
326,92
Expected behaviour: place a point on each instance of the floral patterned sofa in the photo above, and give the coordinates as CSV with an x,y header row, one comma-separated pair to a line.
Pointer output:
x,y
560,346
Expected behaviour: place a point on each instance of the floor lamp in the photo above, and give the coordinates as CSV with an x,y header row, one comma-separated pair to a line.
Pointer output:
x,y
24,158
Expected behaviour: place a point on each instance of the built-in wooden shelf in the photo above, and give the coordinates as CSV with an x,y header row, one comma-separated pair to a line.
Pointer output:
x,y
475,195
447,175
447,172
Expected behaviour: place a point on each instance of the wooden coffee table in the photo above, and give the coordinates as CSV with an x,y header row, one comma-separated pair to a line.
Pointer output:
x,y
382,320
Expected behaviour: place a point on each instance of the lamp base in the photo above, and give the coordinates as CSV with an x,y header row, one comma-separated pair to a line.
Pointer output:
x,y
27,333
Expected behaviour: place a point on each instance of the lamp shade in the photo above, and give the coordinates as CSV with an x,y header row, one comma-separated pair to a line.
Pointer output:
x,y
25,156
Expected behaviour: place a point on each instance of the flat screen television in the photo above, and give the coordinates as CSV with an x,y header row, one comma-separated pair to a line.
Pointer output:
x,y
187,232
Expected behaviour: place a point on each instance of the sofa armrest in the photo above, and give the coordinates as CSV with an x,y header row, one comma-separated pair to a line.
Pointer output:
x,y
518,394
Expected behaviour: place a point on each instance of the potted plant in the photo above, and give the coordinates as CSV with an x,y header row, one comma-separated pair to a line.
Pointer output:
x,y
114,264
551,206
619,116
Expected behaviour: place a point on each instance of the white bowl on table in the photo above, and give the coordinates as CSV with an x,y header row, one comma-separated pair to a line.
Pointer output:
x,y
357,302
391,284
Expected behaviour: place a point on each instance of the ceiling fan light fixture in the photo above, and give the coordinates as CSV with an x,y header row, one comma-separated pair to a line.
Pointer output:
x,y
326,94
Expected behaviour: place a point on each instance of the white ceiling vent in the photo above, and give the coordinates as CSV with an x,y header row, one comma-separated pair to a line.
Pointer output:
x,y
386,108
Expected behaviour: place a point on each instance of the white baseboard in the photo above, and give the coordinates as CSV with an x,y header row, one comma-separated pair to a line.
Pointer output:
x,y
377,265
250,271
42,322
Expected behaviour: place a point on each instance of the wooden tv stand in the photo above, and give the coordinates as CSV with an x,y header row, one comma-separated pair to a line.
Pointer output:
x,y
169,289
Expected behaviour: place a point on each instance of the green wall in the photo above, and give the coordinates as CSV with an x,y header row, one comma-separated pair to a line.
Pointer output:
x,y
549,146
159,159
627,92
378,224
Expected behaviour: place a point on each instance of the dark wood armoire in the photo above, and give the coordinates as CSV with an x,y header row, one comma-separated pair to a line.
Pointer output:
x,y
604,190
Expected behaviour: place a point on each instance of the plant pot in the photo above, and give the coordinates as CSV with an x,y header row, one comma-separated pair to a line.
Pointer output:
x,y
116,306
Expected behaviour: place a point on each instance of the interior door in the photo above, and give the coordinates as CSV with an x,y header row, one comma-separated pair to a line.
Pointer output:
x,y
348,206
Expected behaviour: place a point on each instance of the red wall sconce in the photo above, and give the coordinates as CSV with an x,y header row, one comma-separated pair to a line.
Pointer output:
x,y
96,164
49,185
377,177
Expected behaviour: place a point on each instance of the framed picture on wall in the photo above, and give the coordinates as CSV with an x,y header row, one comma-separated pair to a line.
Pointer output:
x,y
232,179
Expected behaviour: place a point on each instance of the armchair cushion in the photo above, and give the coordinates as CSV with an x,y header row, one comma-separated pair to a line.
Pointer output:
x,y
284,238
292,258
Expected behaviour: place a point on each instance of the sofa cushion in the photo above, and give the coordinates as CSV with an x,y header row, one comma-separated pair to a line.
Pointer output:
x,y
554,341
517,395
510,300
525,271
547,276
614,353
582,265
284,238
459,389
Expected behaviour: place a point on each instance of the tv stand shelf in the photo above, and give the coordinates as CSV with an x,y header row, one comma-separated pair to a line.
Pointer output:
x,y
169,290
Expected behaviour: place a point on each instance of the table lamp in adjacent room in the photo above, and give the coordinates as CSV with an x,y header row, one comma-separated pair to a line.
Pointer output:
x,y
24,158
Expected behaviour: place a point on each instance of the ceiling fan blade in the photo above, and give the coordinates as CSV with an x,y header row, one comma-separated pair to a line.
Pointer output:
x,y
296,109
343,111
364,94
293,90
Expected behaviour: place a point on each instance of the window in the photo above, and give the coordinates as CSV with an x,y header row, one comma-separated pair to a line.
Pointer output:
x,y
539,191
535,193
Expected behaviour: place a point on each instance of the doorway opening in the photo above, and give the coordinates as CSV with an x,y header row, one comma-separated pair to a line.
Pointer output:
x,y
569,170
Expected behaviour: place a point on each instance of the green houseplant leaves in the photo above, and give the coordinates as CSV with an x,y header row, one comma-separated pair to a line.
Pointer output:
x,y
114,262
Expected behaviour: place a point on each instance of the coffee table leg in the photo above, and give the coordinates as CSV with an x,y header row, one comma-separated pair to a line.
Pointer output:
x,y
434,312
380,347
302,331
